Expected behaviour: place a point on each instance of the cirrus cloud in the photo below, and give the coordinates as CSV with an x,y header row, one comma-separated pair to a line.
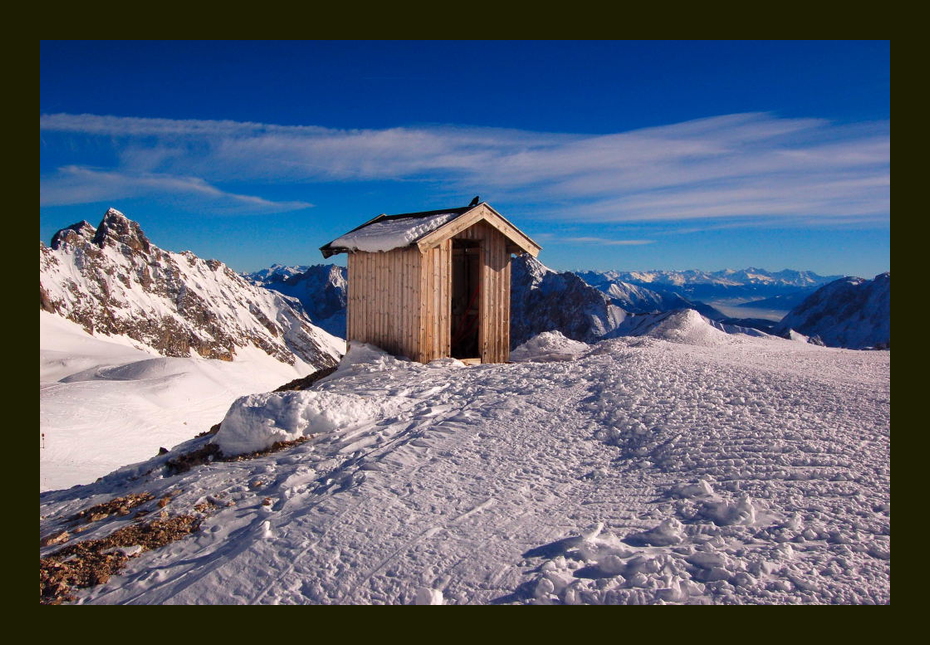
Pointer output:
x,y
737,166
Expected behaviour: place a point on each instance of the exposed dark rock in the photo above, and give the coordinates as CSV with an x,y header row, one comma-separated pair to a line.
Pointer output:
x,y
544,300
117,229
76,234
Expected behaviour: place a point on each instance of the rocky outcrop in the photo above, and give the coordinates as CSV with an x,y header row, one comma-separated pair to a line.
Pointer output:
x,y
544,300
112,280
74,235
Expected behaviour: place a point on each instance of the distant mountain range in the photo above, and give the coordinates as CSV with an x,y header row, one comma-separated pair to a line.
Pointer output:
x,y
112,280
590,305
751,283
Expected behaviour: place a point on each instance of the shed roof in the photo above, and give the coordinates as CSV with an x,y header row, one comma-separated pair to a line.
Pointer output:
x,y
425,229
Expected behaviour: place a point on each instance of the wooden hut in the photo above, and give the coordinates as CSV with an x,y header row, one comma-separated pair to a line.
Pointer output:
x,y
433,284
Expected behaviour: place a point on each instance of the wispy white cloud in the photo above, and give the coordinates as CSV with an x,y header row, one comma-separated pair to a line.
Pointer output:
x,y
746,166
80,185
600,241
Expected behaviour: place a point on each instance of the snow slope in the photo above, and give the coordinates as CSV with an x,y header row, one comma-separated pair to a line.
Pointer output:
x,y
104,403
739,470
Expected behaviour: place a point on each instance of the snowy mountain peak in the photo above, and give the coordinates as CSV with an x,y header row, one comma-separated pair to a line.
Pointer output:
x,y
275,273
322,290
118,283
535,270
117,229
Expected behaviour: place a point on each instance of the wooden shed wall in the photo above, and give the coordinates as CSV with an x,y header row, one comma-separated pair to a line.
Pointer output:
x,y
384,300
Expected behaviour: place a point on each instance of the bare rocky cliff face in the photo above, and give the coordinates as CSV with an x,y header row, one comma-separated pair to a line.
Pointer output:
x,y
112,280
545,300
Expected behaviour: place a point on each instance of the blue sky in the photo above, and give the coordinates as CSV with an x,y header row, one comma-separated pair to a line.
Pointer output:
x,y
611,154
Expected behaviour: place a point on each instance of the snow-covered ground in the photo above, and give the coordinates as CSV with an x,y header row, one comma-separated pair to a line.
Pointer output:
x,y
695,467
104,403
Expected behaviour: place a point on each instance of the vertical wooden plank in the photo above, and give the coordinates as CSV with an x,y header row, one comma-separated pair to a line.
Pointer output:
x,y
358,278
387,304
485,335
427,298
505,306
444,299
364,299
490,301
405,306
429,310
411,303
422,307
498,304
383,287
351,287
378,277
487,354
371,300
437,295
401,304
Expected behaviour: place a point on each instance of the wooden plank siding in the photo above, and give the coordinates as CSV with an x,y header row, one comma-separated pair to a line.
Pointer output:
x,y
383,289
435,303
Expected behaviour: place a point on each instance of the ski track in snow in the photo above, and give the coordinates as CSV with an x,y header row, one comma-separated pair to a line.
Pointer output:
x,y
752,471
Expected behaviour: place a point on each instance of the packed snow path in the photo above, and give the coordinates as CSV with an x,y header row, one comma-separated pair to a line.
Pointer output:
x,y
741,470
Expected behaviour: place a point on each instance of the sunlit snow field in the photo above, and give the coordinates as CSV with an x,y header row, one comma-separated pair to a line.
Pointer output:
x,y
104,404
688,466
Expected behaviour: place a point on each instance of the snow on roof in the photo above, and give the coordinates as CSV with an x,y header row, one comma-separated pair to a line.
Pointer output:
x,y
392,232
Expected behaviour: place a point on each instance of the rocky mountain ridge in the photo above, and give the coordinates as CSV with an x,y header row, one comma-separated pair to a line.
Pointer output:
x,y
545,300
112,280
850,312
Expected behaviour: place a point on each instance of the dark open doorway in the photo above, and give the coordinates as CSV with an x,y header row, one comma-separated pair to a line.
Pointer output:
x,y
466,296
